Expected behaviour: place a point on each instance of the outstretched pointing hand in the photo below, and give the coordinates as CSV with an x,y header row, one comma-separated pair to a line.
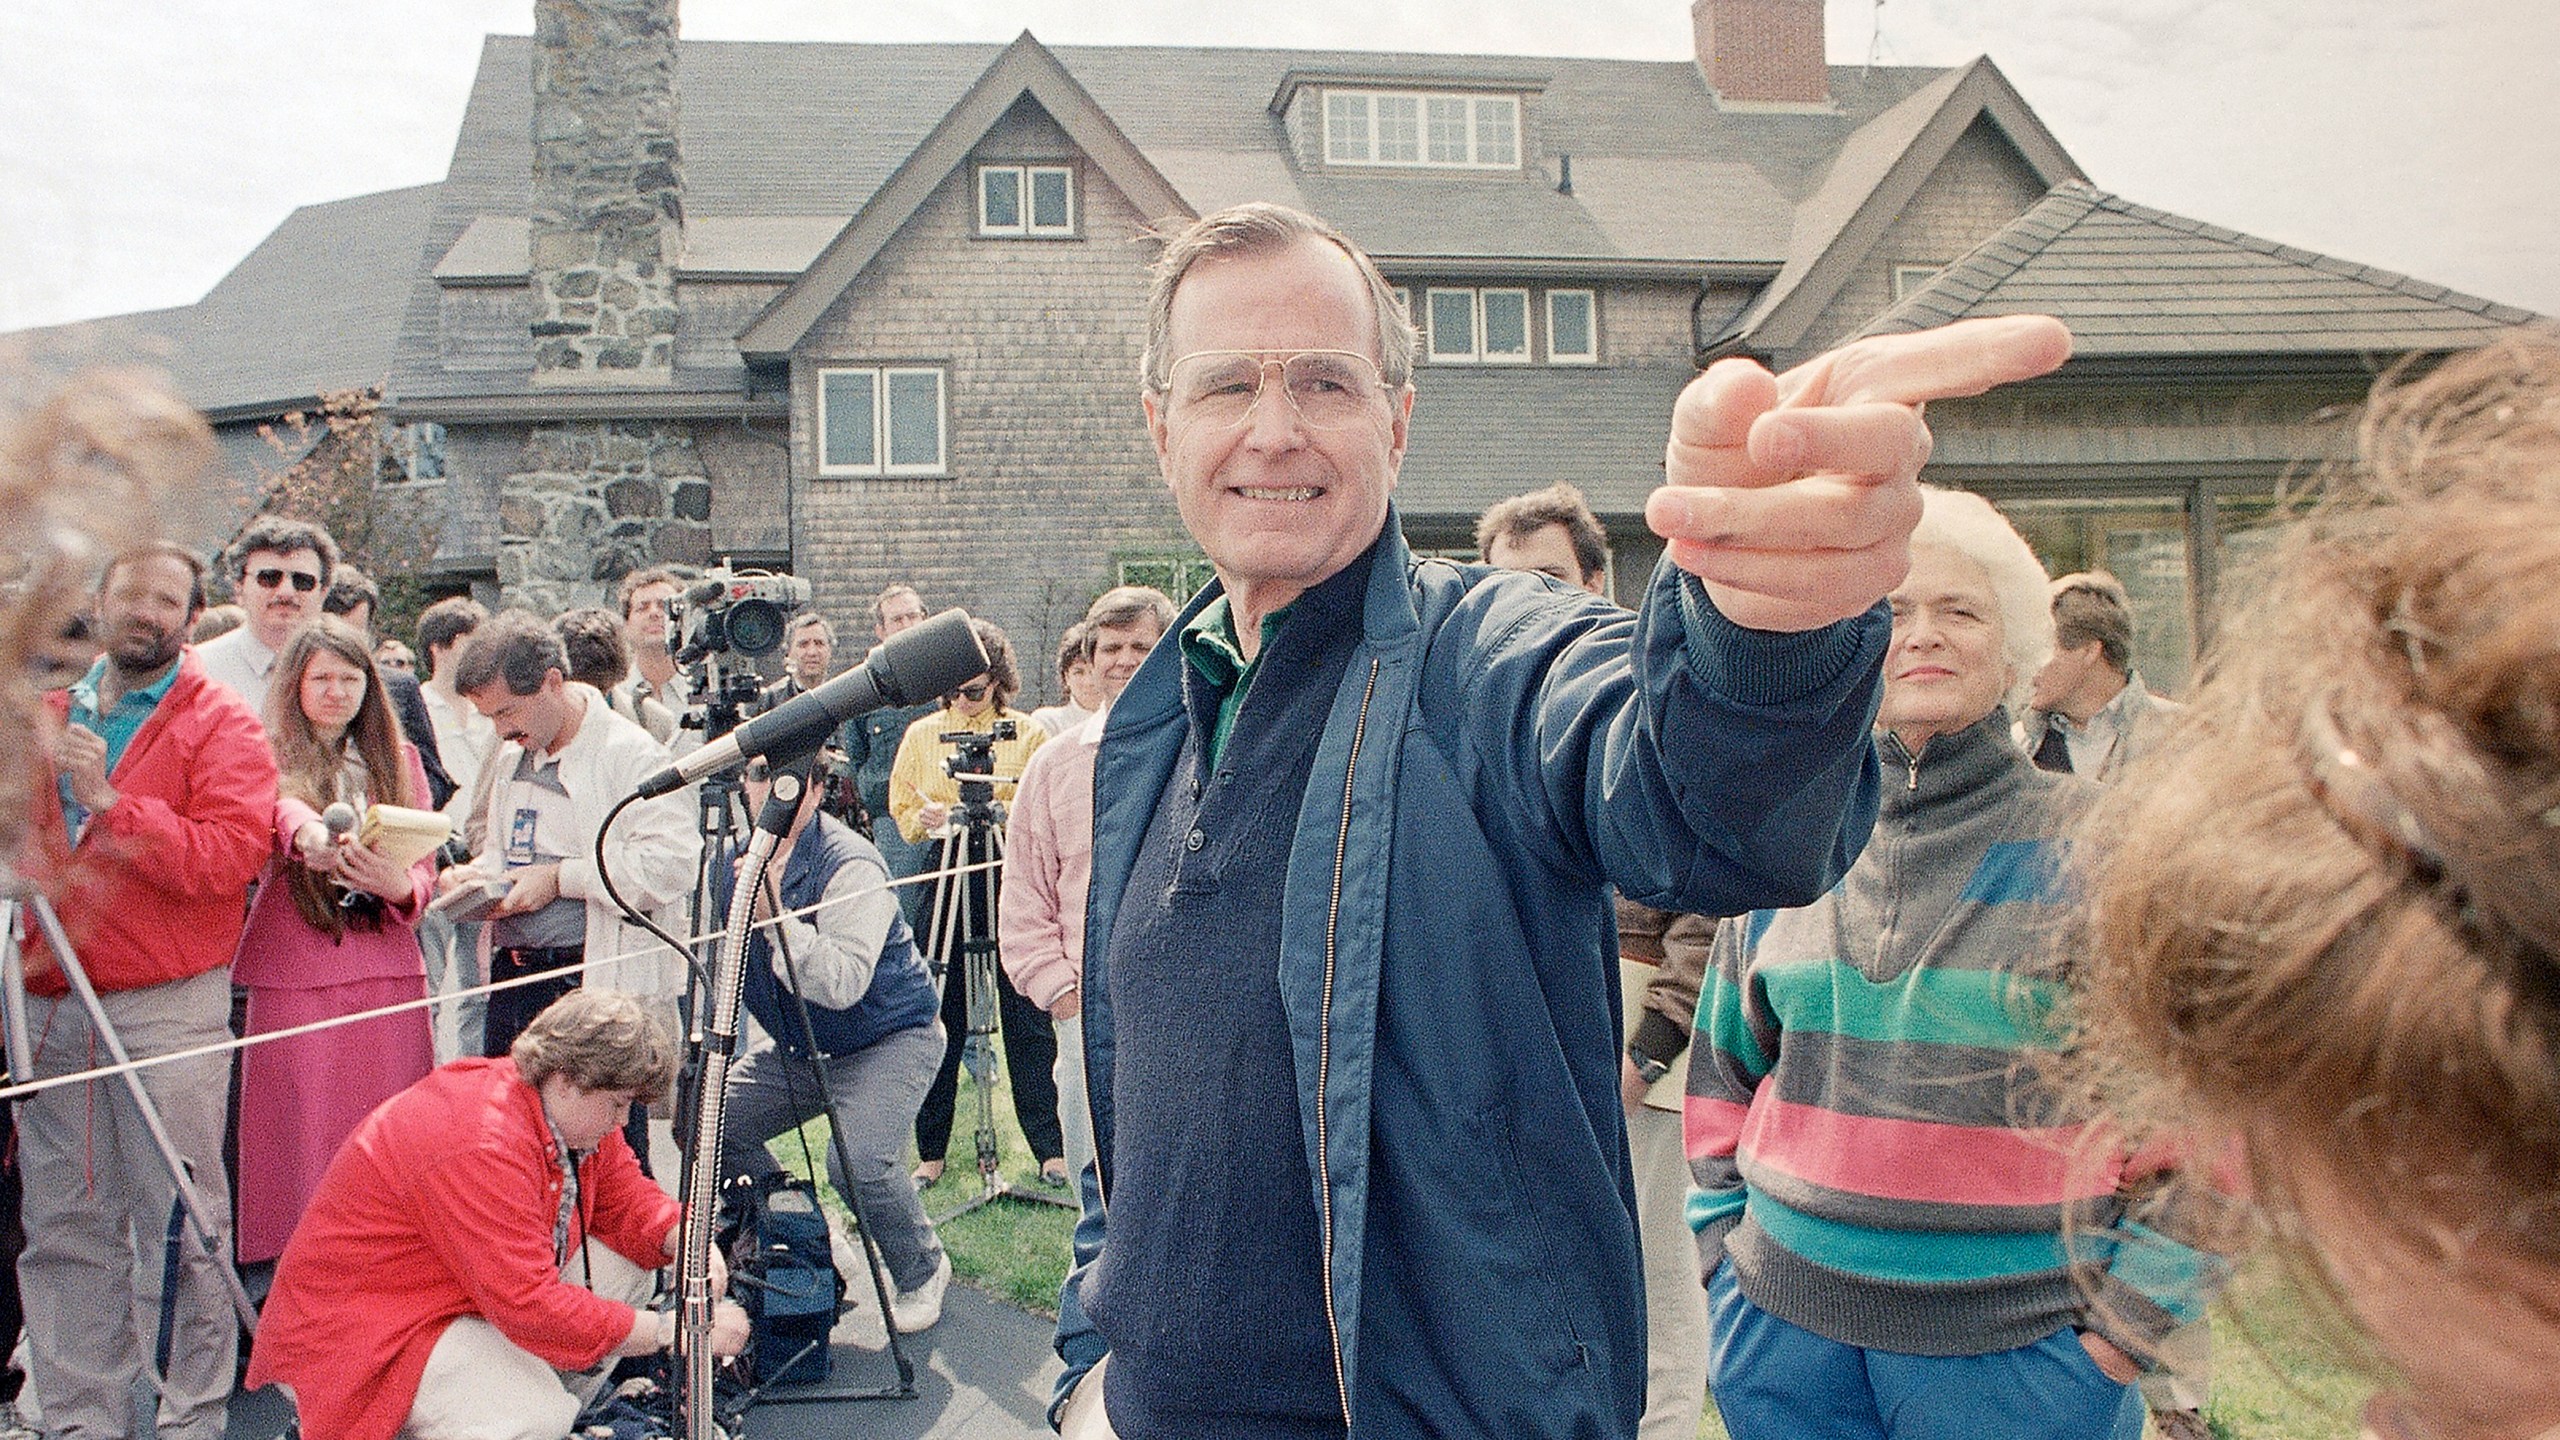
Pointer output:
x,y
1793,496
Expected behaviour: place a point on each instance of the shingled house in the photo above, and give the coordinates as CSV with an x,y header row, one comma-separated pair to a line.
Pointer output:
x,y
872,312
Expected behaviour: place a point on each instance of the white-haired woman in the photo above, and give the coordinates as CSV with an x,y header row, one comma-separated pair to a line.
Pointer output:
x,y
1899,1241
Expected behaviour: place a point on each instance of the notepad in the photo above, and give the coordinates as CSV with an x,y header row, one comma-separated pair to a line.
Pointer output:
x,y
401,834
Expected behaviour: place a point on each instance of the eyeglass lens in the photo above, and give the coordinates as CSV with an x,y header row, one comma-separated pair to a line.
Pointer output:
x,y
1329,388
304,581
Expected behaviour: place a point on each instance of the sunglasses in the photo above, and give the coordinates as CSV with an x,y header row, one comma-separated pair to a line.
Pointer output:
x,y
976,691
304,582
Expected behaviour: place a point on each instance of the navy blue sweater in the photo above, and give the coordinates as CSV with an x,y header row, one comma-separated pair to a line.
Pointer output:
x,y
1214,1309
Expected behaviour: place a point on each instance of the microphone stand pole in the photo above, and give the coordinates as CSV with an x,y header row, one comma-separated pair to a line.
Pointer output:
x,y
719,1026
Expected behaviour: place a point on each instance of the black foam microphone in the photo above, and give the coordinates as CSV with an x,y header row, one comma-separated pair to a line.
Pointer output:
x,y
921,662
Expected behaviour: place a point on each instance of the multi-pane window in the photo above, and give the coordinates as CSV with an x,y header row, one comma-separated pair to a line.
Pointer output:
x,y
1488,326
880,420
1467,132
1572,337
1026,200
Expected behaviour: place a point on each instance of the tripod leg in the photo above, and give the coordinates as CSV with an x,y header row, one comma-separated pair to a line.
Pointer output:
x,y
206,1233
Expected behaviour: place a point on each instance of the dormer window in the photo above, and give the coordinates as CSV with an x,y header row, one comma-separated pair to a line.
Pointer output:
x,y
1026,200
1453,132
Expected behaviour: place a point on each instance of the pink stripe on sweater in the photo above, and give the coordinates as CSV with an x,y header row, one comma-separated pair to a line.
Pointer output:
x,y
1710,1127
1923,1160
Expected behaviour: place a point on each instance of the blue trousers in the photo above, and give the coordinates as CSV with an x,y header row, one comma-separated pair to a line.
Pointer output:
x,y
1776,1381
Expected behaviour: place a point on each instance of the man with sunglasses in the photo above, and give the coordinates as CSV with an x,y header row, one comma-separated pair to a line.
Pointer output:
x,y
1350,822
280,572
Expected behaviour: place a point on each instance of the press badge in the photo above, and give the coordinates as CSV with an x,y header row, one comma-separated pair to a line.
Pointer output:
x,y
520,837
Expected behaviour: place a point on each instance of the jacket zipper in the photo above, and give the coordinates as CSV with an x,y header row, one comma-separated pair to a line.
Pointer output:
x,y
1324,1042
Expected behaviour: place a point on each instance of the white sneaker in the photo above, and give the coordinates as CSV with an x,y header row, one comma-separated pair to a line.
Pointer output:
x,y
921,1308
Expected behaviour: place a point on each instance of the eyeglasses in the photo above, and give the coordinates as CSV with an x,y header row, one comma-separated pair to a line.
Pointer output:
x,y
1329,389
975,690
304,582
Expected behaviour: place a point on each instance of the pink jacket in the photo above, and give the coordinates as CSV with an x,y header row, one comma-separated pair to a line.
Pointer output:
x,y
279,949
1048,867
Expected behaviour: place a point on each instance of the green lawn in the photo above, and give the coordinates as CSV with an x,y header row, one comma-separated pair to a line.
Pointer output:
x,y
2278,1376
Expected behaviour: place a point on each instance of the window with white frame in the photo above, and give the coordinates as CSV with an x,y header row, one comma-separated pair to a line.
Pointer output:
x,y
1478,326
1457,132
880,420
1573,332
1026,200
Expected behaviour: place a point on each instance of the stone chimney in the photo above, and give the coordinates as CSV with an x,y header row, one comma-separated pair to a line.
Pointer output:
x,y
608,192
1762,54
591,500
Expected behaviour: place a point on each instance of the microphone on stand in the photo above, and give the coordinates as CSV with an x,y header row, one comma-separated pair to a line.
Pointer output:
x,y
921,662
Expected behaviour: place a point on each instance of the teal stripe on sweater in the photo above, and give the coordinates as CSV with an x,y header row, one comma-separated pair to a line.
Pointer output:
x,y
1706,1207
1927,1005
1910,1257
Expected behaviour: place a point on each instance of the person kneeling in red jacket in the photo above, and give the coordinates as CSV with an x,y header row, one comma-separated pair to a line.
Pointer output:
x,y
479,1241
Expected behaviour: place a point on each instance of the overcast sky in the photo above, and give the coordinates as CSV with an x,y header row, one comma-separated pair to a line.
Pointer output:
x,y
146,145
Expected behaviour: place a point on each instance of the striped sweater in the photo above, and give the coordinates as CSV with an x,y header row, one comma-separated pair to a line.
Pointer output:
x,y
1865,1123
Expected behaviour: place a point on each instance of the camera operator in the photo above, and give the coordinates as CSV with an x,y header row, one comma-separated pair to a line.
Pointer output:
x,y
477,1252
645,596
871,748
871,1006
925,797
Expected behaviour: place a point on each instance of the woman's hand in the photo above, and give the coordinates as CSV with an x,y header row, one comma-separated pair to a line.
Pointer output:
x,y
365,869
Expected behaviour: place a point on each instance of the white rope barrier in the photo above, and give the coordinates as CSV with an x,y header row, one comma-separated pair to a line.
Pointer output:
x,y
108,1072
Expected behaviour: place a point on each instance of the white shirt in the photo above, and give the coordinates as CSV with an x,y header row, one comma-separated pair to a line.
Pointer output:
x,y
237,659
464,738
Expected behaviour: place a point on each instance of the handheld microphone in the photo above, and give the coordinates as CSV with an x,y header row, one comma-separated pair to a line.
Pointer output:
x,y
340,818
918,663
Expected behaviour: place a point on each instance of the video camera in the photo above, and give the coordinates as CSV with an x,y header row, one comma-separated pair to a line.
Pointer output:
x,y
729,611
974,757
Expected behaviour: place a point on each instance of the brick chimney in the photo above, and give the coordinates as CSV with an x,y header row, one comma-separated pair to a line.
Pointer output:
x,y
1762,54
608,192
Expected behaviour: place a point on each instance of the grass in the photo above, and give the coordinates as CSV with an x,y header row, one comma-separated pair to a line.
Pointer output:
x,y
1013,1250
2278,1373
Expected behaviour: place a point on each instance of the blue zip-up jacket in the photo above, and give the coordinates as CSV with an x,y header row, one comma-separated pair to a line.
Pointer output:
x,y
1501,749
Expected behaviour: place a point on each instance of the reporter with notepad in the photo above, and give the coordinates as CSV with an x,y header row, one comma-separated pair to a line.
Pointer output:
x,y
329,934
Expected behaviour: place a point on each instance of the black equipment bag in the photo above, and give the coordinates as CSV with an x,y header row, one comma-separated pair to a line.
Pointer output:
x,y
788,1282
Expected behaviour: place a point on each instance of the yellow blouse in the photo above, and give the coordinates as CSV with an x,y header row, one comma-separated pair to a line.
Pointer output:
x,y
917,777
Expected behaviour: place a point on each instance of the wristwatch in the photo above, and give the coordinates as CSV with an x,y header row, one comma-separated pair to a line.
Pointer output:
x,y
1648,1069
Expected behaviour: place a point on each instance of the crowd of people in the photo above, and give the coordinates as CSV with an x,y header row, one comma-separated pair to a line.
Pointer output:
x,y
1460,1003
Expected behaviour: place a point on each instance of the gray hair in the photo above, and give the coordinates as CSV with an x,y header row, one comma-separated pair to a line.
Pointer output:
x,y
1259,228
1965,523
1122,606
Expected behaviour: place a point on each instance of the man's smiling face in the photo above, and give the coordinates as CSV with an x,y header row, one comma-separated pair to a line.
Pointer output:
x,y
1278,506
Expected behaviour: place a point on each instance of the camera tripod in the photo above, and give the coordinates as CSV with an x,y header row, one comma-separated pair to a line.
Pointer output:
x,y
20,901
965,931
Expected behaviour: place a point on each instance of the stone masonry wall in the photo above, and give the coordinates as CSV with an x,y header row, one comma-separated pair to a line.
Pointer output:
x,y
1050,471
594,500
608,202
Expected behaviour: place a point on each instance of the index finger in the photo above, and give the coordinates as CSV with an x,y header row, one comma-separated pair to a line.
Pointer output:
x,y
1945,363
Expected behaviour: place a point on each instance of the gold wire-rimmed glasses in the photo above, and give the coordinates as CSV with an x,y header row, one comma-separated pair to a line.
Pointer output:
x,y
1329,389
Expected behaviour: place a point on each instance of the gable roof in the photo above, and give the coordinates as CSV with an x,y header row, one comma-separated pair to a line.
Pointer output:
x,y
1875,176
314,308
2132,281
1025,68
793,137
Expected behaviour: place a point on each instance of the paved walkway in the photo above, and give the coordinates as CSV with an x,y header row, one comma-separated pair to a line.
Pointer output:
x,y
984,1373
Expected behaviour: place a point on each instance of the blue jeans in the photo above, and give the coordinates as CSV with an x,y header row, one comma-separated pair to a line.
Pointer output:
x,y
1776,1381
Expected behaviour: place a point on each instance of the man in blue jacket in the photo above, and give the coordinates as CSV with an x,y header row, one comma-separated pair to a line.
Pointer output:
x,y
1363,1167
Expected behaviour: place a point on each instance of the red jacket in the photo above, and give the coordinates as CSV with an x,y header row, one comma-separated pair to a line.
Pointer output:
x,y
156,889
442,1204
